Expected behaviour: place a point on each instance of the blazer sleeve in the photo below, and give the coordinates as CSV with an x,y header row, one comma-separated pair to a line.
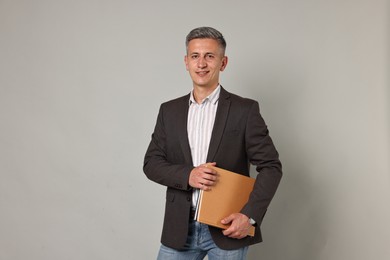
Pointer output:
x,y
262,153
159,164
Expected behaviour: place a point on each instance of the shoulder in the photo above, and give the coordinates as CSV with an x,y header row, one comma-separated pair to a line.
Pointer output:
x,y
236,99
176,103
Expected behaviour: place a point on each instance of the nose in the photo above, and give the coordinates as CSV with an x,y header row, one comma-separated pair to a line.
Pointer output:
x,y
202,62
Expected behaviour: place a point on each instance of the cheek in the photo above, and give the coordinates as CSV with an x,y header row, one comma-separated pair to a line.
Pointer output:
x,y
191,67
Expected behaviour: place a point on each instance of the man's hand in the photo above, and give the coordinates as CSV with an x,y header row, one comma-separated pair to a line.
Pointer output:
x,y
239,227
203,177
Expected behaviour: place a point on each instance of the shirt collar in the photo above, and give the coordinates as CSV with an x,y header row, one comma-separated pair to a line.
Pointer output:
x,y
213,97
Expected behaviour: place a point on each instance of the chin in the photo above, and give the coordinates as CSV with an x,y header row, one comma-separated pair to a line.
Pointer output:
x,y
203,85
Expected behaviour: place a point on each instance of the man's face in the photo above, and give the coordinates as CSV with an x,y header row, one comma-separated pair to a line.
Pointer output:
x,y
204,61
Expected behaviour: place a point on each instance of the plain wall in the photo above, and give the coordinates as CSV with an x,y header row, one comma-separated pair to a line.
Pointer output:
x,y
80,87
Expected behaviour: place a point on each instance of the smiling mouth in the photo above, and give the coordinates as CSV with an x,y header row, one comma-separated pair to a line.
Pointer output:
x,y
202,73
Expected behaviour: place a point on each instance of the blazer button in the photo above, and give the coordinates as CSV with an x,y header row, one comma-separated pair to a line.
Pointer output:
x,y
188,198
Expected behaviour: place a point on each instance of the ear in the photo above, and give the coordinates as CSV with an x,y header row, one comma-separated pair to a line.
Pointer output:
x,y
186,61
224,63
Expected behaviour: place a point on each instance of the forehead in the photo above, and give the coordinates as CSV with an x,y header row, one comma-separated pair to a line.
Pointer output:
x,y
203,45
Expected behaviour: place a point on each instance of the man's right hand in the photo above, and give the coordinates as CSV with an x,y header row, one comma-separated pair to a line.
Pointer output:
x,y
203,177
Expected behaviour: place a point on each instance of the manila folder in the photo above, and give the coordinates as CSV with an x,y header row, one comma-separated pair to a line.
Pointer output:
x,y
227,196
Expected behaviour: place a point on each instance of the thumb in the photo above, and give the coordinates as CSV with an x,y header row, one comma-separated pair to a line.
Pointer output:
x,y
211,164
227,219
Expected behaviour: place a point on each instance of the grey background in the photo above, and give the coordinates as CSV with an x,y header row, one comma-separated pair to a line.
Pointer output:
x,y
80,87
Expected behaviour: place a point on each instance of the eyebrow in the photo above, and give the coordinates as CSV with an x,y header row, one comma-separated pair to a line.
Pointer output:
x,y
207,53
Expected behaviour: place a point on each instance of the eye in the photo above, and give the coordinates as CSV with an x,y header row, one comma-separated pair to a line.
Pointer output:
x,y
209,57
194,56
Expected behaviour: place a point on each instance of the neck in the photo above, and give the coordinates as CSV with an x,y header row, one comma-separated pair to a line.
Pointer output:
x,y
201,93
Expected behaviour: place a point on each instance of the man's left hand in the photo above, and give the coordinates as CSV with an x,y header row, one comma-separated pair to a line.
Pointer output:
x,y
239,227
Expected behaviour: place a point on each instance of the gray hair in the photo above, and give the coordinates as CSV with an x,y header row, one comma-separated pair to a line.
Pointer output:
x,y
206,33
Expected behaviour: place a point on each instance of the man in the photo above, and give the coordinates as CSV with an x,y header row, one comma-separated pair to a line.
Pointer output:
x,y
209,125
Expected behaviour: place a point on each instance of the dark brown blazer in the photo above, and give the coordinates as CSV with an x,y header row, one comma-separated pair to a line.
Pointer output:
x,y
239,137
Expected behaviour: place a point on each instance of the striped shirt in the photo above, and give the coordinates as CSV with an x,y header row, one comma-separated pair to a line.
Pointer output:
x,y
200,125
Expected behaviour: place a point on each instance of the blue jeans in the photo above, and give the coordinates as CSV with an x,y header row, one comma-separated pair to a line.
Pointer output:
x,y
199,244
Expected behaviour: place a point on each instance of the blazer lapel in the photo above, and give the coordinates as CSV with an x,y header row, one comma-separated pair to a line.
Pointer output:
x,y
182,128
219,123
